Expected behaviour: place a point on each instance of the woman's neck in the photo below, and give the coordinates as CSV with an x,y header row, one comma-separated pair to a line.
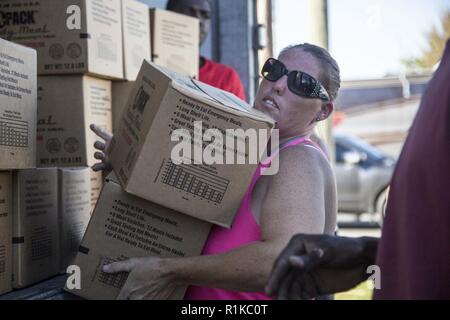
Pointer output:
x,y
287,139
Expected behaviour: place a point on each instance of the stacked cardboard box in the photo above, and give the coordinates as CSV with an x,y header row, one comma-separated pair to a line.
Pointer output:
x,y
175,42
120,93
5,231
67,105
136,34
35,226
75,42
105,38
124,226
141,151
17,106
80,42
74,211
65,56
96,187
51,211
136,37
174,45
70,36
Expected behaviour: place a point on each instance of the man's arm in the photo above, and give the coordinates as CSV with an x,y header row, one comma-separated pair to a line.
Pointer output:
x,y
316,265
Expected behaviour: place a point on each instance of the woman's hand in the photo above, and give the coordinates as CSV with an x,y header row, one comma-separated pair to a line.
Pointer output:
x,y
149,278
102,147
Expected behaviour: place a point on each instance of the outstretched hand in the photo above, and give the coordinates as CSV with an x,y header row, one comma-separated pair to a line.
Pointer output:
x,y
315,265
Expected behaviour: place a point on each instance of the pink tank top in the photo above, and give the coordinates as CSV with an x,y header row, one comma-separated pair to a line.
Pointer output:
x,y
245,230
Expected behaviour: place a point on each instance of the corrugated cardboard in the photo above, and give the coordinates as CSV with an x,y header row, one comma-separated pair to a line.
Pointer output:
x,y
136,37
120,93
96,187
35,226
67,105
74,211
141,149
18,106
70,36
124,226
175,41
5,231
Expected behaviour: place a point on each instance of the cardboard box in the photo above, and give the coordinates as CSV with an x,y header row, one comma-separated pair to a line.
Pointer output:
x,y
96,187
5,231
175,41
18,106
70,36
67,105
35,226
136,37
124,226
160,102
121,91
74,211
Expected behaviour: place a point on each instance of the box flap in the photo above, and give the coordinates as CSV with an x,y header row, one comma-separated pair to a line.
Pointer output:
x,y
221,99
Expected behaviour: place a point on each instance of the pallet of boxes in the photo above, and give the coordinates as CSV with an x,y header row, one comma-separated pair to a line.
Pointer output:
x,y
41,210
149,206
17,151
56,72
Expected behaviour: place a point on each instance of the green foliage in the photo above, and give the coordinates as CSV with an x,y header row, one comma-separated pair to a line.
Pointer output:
x,y
433,54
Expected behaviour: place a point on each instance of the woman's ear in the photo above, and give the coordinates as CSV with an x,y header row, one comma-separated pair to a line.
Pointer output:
x,y
325,111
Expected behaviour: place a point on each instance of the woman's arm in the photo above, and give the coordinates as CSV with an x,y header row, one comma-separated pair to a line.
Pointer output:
x,y
294,203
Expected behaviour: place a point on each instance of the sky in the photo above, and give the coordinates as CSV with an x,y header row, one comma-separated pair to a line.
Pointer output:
x,y
368,38
155,3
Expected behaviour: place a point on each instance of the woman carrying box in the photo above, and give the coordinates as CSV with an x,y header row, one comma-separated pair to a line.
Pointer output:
x,y
298,91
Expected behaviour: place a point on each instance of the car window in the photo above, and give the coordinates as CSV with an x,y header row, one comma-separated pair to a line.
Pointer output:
x,y
340,150
363,147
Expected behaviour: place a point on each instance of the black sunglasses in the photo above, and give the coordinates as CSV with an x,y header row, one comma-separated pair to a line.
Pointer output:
x,y
299,83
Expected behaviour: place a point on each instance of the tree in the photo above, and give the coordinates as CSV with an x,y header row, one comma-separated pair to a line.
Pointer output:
x,y
433,54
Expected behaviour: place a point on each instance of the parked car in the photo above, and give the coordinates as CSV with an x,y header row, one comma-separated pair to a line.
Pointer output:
x,y
363,174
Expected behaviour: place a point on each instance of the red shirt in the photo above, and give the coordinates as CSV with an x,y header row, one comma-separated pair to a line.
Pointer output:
x,y
414,252
222,77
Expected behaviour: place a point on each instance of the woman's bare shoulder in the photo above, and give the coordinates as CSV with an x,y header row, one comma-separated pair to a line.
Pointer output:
x,y
303,156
